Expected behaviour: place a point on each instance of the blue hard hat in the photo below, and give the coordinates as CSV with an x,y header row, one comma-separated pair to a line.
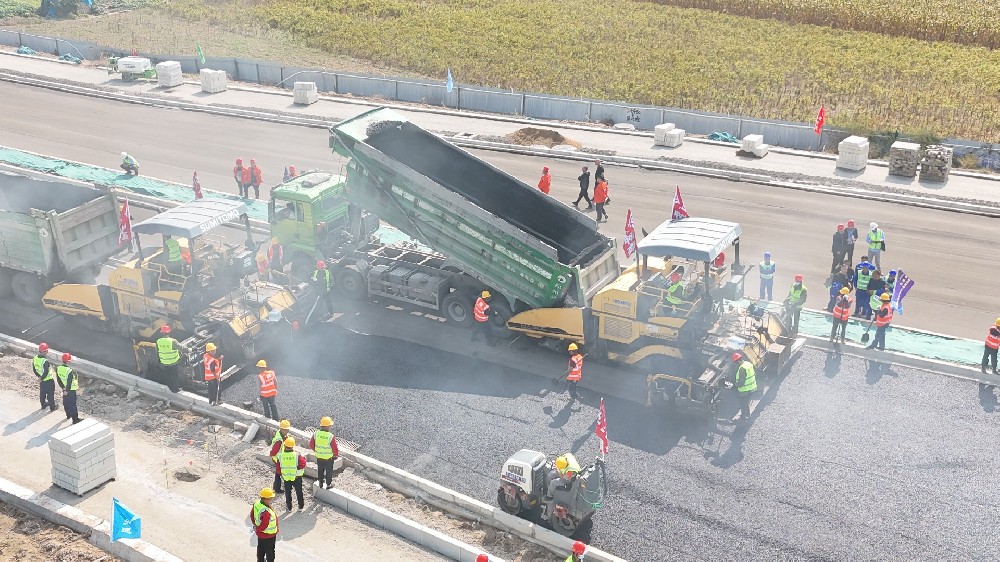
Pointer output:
x,y
892,272
767,254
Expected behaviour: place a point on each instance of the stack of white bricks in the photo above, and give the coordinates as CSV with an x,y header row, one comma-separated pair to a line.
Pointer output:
x,y
83,456
754,144
213,81
666,134
305,93
168,74
852,153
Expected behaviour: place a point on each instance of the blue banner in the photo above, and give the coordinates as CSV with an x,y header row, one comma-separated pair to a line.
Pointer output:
x,y
450,84
124,523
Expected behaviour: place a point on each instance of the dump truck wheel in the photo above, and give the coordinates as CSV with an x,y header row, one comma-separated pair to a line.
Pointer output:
x,y
457,309
498,322
6,276
352,284
27,288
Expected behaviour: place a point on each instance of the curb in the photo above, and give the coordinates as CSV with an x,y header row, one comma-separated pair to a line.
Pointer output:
x,y
97,530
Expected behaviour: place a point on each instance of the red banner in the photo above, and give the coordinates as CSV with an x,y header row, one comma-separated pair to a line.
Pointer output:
x,y
124,225
602,428
629,244
820,120
679,212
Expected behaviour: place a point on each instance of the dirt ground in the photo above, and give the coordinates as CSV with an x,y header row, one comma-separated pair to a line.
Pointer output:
x,y
531,136
24,537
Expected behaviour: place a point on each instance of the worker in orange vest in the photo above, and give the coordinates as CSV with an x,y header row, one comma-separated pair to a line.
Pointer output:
x,y
545,183
601,199
239,173
213,373
841,315
262,270
882,320
992,344
256,178
481,312
268,389
574,372
276,255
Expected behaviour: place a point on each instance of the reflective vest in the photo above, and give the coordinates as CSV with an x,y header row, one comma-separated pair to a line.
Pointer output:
x,y
42,369
672,293
842,310
875,301
766,270
750,380
289,463
64,372
268,384
575,367
129,161
272,523
864,276
480,310
884,321
323,440
890,285
326,276
213,367
167,352
993,338
875,240
173,250
275,250
796,295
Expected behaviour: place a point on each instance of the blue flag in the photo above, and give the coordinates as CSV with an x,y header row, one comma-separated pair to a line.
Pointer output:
x,y
287,176
902,287
124,523
450,83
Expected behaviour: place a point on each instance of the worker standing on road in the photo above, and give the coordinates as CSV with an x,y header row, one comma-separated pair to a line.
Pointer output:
x,y
46,382
481,312
268,384
324,445
169,354
213,373
841,315
574,371
850,238
796,299
876,244
70,385
584,179
545,183
256,178
746,384
239,172
276,255
838,248
129,164
293,467
838,281
883,319
578,552
323,280
989,353
265,525
601,199
862,276
876,286
284,427
598,173
262,270
766,270
890,282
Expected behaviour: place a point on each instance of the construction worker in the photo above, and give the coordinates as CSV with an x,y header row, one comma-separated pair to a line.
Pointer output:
x,y
796,299
890,282
292,172
838,281
584,179
265,525
675,290
323,280
598,172
129,164
990,351
241,175
601,199
574,371
262,269
882,320
838,248
578,552
293,467
268,384
256,178
565,469
276,255
850,238
766,270
481,313
841,315
213,373
746,384
46,378
324,445
482,557
876,244
70,385
284,427
175,259
168,351
862,276
545,183
876,286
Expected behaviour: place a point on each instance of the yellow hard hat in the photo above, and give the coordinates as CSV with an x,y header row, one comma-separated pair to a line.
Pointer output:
x,y
572,347
285,424
326,421
845,291
998,322
267,493
274,240
485,294
289,442
261,258
562,463
262,363
210,346
885,297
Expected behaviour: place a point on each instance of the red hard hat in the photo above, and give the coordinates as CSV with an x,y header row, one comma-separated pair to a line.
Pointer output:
x,y
840,227
482,558
43,347
239,160
320,264
579,548
850,223
66,357
799,277
675,276
737,356
165,329
545,168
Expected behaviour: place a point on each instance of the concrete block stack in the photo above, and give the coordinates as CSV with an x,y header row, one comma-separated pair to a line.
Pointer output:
x,y
754,144
305,93
83,456
904,159
936,164
852,153
168,74
213,81
660,133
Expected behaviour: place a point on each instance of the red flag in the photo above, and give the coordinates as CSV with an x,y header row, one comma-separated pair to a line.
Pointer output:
x,y
134,53
820,120
679,211
629,244
602,428
124,225
196,185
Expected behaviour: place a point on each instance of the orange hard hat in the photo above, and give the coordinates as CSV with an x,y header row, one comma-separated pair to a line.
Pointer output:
x,y
579,548
67,357
165,329
43,347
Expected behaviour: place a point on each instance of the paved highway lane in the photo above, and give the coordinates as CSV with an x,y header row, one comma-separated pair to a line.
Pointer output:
x,y
946,253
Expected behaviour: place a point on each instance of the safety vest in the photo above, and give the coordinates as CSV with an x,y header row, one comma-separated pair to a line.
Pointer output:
x,y
63,372
289,463
766,270
672,291
173,250
864,276
875,301
272,523
167,352
842,310
884,321
326,276
39,363
277,437
275,250
875,239
128,160
213,367
796,295
750,382
323,440
480,310
890,286
575,367
268,384
993,338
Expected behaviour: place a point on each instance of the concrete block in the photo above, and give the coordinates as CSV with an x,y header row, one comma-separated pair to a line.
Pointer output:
x,y
399,525
333,497
251,432
660,133
750,142
553,540
158,390
305,93
359,508
475,506
520,526
439,542
213,81
673,138
435,490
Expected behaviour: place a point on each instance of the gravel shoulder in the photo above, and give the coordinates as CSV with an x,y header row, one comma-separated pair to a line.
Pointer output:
x,y
26,537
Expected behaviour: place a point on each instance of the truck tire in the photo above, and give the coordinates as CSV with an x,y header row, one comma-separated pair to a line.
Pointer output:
x,y
457,309
352,284
27,288
498,322
6,276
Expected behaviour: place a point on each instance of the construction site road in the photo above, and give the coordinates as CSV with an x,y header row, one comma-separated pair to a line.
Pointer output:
x,y
954,297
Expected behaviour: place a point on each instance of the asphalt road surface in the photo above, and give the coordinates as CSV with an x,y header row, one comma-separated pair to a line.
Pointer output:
x,y
948,254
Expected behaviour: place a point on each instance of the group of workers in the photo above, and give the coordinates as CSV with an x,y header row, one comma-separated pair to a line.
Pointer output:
x,y
600,198
50,375
247,177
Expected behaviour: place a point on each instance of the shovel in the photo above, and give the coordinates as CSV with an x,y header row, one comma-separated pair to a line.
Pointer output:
x,y
864,337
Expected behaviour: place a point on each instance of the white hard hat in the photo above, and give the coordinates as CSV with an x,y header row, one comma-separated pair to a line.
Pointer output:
x,y
124,154
873,225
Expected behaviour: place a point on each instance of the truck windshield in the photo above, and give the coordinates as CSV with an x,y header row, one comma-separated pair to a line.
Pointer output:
x,y
288,210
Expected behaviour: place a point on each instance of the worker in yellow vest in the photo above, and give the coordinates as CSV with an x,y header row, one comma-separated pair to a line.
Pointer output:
x,y
293,468
70,385
797,295
265,525
46,377
746,384
279,437
578,552
169,352
324,445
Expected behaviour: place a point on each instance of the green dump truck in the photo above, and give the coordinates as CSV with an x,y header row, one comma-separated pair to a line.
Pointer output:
x,y
51,232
